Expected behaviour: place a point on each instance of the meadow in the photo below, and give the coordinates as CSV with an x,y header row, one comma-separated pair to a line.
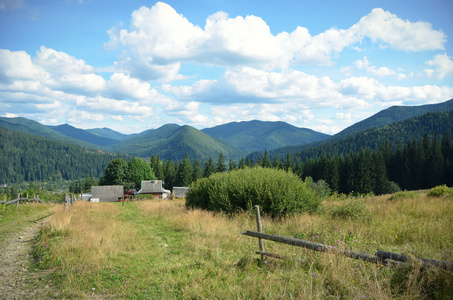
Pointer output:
x,y
157,249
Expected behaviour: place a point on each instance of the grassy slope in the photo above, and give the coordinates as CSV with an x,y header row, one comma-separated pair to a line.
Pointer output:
x,y
158,249
14,219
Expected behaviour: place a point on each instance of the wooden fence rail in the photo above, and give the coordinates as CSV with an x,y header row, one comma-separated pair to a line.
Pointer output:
x,y
34,199
380,257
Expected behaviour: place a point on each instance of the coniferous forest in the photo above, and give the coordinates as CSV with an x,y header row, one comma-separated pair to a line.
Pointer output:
x,y
25,157
372,165
420,164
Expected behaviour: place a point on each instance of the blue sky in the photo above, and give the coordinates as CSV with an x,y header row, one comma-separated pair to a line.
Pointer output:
x,y
136,65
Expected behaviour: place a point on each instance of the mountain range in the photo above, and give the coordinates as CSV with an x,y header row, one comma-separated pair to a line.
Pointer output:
x,y
234,140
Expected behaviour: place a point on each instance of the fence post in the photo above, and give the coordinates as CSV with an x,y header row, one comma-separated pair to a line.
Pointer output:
x,y
259,228
65,201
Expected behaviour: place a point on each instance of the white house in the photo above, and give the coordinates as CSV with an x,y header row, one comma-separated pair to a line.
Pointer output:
x,y
154,187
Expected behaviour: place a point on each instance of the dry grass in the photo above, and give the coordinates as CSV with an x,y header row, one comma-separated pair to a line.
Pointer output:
x,y
158,249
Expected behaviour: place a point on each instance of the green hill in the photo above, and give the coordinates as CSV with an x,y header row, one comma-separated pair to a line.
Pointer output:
x,y
36,128
174,141
394,114
108,133
403,131
259,136
27,157
83,135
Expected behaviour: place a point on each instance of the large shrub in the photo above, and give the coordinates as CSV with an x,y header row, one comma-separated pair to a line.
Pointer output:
x,y
277,192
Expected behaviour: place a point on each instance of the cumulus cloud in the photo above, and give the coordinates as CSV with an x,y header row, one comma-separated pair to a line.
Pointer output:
x,y
365,64
383,26
443,66
159,39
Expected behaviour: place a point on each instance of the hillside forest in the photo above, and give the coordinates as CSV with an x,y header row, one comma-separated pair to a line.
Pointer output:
x,y
420,164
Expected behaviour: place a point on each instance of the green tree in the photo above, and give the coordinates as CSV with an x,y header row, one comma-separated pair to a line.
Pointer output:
x,y
184,175
116,173
170,174
197,172
139,170
221,164
266,160
288,165
232,165
209,168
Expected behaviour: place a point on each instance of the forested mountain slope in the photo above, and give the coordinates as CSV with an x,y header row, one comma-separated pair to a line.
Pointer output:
x,y
26,157
83,135
36,128
174,141
395,114
403,131
259,136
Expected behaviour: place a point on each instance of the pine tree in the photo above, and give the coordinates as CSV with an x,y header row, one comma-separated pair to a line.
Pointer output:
x,y
266,160
232,165
197,172
242,163
170,174
277,164
209,168
184,175
288,165
221,164
435,164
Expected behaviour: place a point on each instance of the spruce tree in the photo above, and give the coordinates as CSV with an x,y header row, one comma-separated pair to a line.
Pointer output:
x,y
266,160
184,175
209,168
221,164
197,172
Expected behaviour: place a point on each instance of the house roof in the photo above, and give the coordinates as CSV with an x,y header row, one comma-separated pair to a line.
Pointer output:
x,y
152,187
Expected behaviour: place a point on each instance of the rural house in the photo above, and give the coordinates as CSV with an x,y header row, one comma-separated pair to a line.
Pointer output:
x,y
180,192
154,187
106,193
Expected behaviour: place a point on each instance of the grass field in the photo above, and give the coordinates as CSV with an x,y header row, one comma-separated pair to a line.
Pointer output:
x,y
158,249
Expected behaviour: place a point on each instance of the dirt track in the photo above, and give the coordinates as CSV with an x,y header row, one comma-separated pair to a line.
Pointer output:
x,y
18,278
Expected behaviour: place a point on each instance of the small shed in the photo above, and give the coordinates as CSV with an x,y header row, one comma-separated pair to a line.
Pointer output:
x,y
154,187
180,192
107,193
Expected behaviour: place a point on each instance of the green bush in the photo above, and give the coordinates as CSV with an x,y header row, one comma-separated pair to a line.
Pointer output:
x,y
277,192
403,195
441,190
348,209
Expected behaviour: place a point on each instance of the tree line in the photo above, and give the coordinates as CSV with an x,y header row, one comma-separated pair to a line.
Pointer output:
x,y
25,157
420,164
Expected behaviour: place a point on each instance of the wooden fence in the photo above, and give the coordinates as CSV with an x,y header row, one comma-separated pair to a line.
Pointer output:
x,y
380,257
35,199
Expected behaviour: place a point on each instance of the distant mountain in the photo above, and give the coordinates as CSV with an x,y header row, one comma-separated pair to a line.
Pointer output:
x,y
174,141
109,133
83,135
395,114
36,128
259,136
29,157
403,131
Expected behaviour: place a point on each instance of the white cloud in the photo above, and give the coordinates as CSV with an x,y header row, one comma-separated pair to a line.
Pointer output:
x,y
123,86
399,34
10,115
59,63
160,39
17,65
365,64
443,65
